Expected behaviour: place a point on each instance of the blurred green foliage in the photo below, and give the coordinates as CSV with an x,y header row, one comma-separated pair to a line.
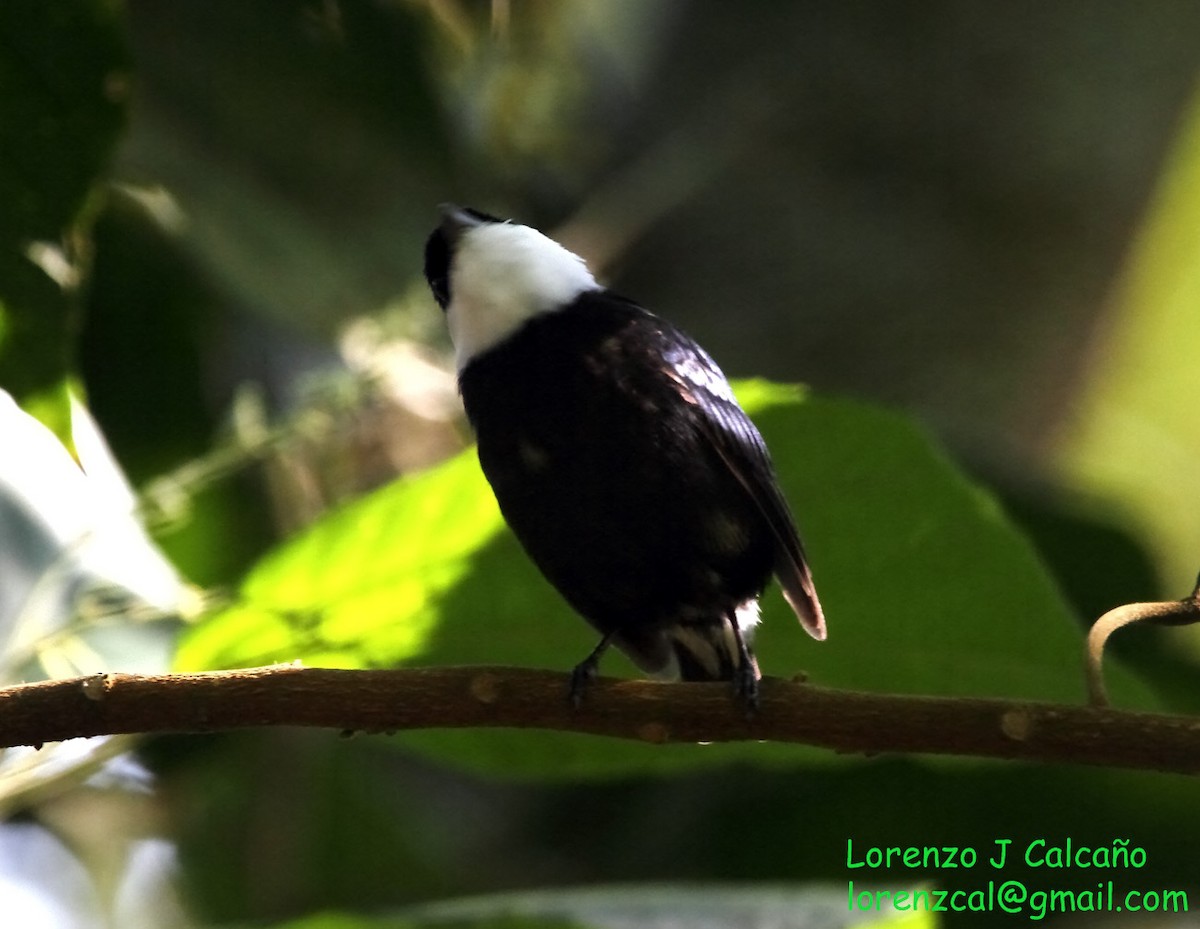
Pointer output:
x,y
1135,436
343,921
64,80
279,179
660,905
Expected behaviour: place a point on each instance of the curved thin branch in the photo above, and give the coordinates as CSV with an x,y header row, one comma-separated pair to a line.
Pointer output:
x,y
428,698
1161,613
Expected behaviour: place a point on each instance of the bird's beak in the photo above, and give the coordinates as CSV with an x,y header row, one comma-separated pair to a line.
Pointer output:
x,y
456,221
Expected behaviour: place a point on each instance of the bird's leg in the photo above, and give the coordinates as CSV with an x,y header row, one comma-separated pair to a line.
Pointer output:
x,y
745,675
585,672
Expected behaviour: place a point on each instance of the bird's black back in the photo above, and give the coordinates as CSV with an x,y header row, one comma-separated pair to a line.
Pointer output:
x,y
627,471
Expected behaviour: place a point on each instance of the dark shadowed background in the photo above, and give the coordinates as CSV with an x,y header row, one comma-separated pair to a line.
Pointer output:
x,y
984,215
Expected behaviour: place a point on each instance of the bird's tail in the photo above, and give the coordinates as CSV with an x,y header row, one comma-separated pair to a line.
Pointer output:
x,y
709,651
798,590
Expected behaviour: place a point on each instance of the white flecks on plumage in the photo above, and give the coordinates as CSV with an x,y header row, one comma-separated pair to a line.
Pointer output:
x,y
705,376
503,275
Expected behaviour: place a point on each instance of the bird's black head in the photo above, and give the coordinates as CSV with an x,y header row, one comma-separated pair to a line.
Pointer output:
x,y
439,249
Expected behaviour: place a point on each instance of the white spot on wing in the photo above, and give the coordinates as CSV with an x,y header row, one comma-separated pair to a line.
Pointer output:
x,y
704,375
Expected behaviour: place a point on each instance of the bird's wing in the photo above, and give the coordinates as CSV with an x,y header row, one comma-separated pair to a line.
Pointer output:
x,y
740,445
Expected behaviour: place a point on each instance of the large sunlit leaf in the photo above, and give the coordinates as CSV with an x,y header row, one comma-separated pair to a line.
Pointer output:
x,y
364,587
927,587
1135,440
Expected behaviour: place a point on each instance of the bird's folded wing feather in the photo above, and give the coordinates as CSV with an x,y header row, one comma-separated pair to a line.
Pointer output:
x,y
738,442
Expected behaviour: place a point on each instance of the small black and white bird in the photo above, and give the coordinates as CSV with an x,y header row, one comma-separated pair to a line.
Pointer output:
x,y
618,455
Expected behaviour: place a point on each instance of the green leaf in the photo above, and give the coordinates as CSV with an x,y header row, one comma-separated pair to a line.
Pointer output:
x,y
927,587
64,79
1134,441
482,921
709,906
365,586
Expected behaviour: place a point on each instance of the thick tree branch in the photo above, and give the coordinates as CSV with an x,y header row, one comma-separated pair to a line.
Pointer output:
x,y
430,698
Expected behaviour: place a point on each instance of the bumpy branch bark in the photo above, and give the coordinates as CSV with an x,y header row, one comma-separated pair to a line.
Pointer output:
x,y
430,698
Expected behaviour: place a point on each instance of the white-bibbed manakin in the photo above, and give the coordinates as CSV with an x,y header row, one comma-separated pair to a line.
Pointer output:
x,y
618,454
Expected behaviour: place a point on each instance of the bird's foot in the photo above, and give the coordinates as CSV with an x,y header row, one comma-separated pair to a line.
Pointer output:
x,y
745,673
585,672
745,687
581,678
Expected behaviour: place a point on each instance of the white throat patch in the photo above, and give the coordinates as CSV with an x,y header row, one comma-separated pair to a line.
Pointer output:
x,y
502,275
